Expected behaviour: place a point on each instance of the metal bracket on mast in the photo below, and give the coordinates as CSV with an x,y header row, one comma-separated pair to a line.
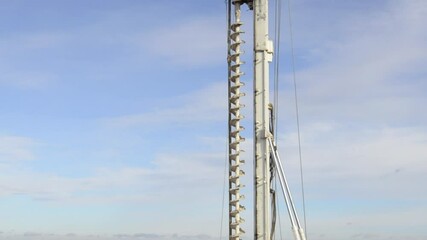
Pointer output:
x,y
241,2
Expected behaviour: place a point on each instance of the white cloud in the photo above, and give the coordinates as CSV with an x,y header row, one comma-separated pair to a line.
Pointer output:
x,y
171,175
166,192
26,66
377,59
193,42
34,41
389,161
18,48
14,148
27,80
201,106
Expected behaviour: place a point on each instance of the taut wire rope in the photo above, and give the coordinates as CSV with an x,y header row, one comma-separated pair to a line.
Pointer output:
x,y
277,34
297,112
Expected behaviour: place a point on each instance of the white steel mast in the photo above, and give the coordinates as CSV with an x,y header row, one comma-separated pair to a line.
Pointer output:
x,y
263,55
266,157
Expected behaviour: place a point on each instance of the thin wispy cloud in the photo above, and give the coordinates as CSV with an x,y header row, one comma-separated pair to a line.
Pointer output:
x,y
191,43
16,148
201,106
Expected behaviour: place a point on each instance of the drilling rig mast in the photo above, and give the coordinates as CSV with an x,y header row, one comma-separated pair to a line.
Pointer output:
x,y
266,157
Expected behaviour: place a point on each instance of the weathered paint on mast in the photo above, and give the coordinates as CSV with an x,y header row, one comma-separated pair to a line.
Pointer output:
x,y
263,54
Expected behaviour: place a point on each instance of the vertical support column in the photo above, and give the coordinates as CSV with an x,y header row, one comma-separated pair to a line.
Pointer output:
x,y
263,53
234,117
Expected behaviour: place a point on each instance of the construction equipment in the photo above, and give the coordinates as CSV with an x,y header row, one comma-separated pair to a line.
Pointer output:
x,y
266,157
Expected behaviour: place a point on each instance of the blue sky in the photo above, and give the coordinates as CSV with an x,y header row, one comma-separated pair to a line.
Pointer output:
x,y
113,118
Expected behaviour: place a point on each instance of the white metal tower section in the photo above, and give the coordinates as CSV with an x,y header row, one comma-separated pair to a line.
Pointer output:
x,y
265,149
263,55
234,117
